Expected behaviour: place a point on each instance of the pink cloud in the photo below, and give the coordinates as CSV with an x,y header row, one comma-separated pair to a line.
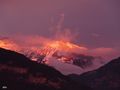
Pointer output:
x,y
107,53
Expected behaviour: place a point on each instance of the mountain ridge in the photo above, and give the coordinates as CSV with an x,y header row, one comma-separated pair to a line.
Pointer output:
x,y
17,72
104,78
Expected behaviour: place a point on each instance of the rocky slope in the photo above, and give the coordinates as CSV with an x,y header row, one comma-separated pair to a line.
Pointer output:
x,y
62,53
19,73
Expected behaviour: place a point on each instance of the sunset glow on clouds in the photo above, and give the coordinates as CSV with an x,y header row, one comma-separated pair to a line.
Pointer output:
x,y
90,24
37,43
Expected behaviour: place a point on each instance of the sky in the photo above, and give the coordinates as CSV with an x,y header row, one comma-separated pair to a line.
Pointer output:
x,y
96,22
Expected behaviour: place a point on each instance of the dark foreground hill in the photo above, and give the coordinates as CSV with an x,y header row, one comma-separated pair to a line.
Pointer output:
x,y
105,78
19,73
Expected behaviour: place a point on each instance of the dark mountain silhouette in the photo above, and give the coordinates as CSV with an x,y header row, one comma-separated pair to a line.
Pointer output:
x,y
105,78
17,72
